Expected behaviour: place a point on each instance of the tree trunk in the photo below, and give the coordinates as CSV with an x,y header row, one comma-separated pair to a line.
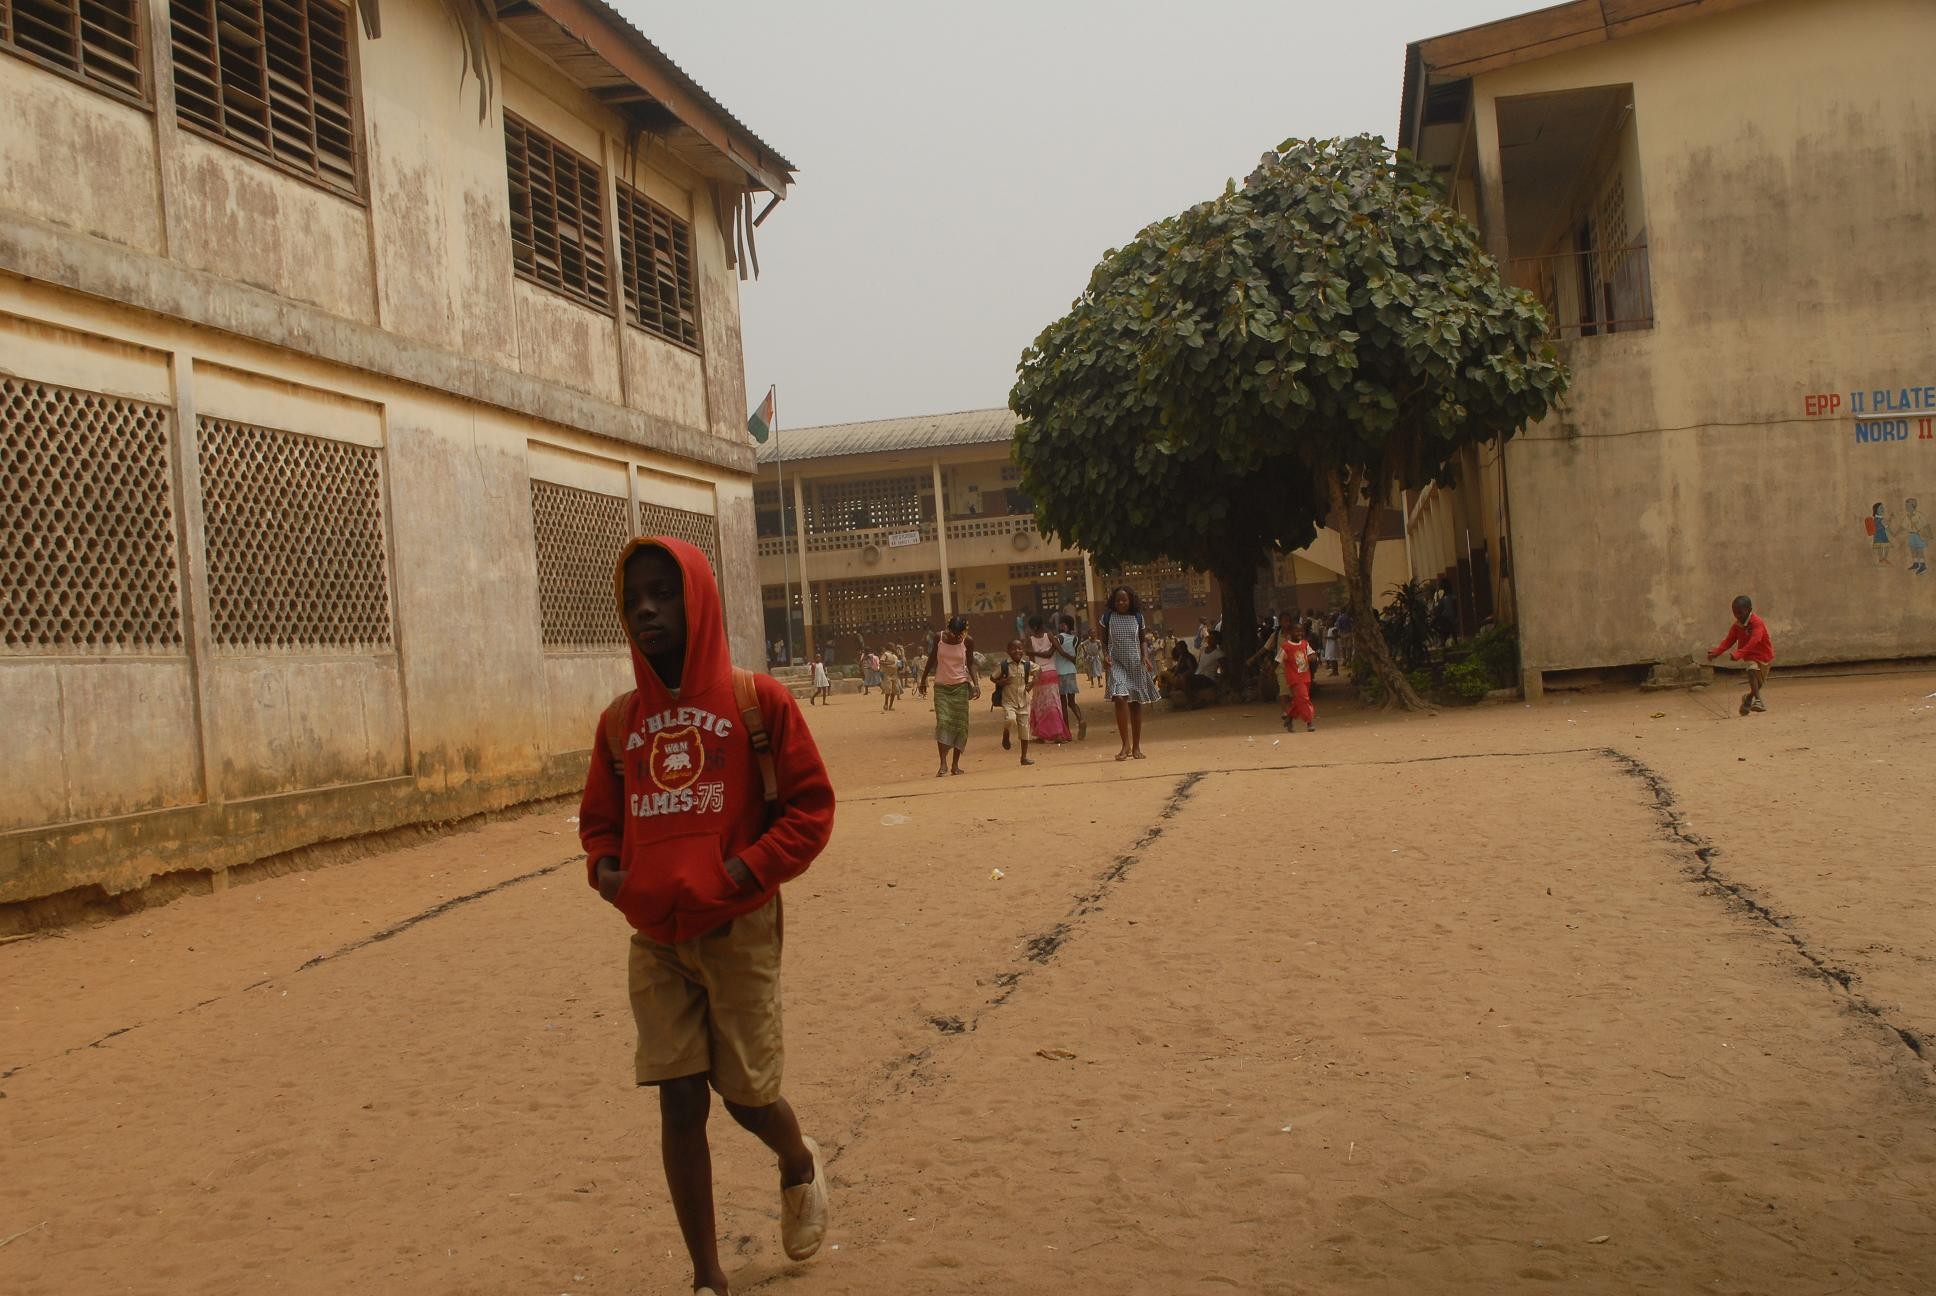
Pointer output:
x,y
1237,586
1357,546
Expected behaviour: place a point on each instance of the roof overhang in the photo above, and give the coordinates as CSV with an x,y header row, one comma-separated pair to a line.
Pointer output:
x,y
1433,65
596,47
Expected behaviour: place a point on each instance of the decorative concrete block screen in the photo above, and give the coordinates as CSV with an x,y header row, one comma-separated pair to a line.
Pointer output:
x,y
877,604
863,505
296,554
87,528
579,534
700,529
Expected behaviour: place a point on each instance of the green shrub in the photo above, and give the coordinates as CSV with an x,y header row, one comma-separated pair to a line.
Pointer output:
x,y
1496,649
1468,681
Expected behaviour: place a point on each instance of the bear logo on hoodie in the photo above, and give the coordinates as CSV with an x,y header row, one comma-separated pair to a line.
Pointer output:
x,y
677,757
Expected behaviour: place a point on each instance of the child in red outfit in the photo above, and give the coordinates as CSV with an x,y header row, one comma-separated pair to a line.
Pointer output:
x,y
1298,658
680,838
1756,651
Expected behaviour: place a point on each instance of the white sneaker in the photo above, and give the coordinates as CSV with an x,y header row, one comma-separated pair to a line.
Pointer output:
x,y
803,1211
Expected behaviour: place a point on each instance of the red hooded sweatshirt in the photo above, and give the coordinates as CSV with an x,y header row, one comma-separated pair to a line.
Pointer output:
x,y
690,796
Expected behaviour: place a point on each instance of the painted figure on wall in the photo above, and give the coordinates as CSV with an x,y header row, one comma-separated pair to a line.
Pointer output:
x,y
1916,534
1877,525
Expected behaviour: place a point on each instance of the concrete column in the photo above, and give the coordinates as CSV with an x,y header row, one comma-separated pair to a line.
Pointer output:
x,y
1089,585
941,539
614,158
1491,179
192,548
806,582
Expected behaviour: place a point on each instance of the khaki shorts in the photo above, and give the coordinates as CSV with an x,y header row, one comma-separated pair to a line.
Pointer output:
x,y
711,1006
1019,717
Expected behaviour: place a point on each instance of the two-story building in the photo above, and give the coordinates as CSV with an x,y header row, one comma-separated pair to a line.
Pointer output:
x,y
339,351
892,526
1729,210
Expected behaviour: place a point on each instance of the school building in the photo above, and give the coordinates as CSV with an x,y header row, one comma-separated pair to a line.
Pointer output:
x,y
338,353
1729,210
892,526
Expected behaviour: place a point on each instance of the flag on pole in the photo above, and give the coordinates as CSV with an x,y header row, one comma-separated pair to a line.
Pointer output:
x,y
761,422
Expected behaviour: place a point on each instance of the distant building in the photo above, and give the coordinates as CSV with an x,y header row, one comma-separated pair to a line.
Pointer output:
x,y
893,526
329,386
1729,210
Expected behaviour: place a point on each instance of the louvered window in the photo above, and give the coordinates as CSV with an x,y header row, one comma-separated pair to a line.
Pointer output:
x,y
96,41
557,215
272,78
655,254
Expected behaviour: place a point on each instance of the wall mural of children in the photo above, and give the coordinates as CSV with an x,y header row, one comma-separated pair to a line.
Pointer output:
x,y
1877,525
1917,535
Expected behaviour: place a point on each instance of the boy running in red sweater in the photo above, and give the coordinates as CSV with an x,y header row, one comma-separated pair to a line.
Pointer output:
x,y
1756,651
682,835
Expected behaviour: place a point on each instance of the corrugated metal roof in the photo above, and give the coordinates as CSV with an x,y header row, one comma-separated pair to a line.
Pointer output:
x,y
686,82
923,432
599,48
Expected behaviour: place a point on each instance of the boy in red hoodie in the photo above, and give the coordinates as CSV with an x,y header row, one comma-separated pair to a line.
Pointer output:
x,y
1756,651
680,837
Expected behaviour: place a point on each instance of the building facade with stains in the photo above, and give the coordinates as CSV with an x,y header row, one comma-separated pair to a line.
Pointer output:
x,y
892,526
1729,210
339,350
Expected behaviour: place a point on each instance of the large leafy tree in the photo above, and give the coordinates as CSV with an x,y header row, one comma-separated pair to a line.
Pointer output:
x,y
1290,353
1113,471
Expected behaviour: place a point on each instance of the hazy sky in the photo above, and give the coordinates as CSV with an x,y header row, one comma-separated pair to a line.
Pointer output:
x,y
963,167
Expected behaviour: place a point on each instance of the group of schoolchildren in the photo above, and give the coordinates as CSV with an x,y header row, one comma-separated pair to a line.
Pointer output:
x,y
706,793
1035,688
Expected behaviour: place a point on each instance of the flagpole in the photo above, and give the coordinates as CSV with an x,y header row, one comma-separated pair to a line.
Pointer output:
x,y
786,534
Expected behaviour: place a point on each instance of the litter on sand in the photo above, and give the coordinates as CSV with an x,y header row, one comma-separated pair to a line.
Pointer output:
x,y
1055,1054
893,820
996,875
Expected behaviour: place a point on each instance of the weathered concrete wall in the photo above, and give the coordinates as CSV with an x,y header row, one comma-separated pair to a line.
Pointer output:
x,y
1790,195
50,122
177,271
249,753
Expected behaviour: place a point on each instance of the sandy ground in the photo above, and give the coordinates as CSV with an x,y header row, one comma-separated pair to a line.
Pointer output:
x,y
1568,997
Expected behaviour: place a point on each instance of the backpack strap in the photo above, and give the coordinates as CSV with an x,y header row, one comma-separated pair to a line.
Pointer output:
x,y
611,728
746,697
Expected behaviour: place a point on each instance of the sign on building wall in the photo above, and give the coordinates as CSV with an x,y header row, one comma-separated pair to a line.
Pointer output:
x,y
1896,530
901,539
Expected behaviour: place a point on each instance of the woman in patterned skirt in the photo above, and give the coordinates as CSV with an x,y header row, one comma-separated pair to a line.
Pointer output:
x,y
1126,665
951,660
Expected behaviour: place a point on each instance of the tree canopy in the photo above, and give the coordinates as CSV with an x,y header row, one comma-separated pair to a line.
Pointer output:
x,y
1267,361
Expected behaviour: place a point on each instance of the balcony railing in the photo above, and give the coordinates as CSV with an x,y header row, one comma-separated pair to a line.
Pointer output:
x,y
1601,290
972,528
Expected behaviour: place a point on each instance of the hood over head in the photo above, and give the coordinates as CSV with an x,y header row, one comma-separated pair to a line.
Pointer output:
x,y
709,660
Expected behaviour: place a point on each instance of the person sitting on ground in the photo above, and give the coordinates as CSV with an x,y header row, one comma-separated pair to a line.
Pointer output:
x,y
1171,680
1203,684
1013,686
1756,651
692,820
